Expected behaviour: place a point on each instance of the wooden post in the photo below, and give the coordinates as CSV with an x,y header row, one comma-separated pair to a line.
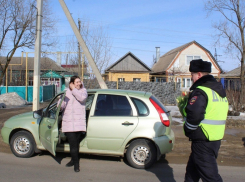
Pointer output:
x,y
7,80
11,73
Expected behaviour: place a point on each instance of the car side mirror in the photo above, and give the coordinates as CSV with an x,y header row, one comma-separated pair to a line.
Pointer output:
x,y
38,114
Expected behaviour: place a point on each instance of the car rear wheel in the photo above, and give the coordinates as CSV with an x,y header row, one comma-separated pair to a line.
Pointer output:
x,y
22,144
141,154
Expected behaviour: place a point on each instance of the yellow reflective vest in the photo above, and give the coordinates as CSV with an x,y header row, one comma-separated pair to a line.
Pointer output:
x,y
213,124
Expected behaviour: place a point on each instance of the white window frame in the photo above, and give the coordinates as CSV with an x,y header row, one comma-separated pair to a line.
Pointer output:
x,y
188,82
121,79
193,57
184,82
136,79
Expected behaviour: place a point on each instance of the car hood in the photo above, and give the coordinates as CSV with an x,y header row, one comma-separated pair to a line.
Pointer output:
x,y
26,114
19,120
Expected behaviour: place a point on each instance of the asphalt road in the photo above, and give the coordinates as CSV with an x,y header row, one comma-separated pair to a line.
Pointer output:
x,y
46,168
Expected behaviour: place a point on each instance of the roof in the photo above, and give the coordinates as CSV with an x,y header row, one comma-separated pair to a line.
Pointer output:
x,y
69,66
127,64
51,74
165,60
72,65
46,63
233,73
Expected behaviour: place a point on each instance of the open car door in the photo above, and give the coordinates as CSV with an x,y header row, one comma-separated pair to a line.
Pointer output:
x,y
48,128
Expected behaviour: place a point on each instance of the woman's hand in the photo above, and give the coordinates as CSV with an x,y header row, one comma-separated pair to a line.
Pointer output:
x,y
81,86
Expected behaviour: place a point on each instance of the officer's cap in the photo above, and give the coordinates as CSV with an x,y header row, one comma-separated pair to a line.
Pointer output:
x,y
198,65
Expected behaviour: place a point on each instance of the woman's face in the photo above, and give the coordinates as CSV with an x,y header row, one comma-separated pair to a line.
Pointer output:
x,y
77,83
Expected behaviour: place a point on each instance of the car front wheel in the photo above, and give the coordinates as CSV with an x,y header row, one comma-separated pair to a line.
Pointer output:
x,y
22,144
141,154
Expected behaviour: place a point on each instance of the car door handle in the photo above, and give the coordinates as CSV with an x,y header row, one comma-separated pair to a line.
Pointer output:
x,y
127,123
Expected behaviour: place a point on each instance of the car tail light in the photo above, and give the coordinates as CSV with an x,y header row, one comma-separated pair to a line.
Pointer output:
x,y
163,116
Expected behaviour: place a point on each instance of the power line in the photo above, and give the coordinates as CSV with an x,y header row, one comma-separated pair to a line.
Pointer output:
x,y
143,27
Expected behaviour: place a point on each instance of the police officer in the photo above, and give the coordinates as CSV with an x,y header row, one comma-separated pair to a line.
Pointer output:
x,y
206,114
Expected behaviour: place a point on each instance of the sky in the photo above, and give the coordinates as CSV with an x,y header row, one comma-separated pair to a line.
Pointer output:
x,y
139,26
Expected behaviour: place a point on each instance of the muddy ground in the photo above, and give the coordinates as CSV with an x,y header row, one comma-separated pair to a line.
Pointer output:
x,y
232,151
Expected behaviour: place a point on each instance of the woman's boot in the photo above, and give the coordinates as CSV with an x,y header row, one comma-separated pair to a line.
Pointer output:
x,y
69,164
76,167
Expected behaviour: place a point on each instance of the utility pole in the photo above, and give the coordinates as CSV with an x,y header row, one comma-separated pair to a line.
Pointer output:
x,y
36,75
83,45
79,50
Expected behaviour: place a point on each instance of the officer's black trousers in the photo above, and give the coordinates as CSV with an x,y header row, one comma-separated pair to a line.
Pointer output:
x,y
202,162
74,139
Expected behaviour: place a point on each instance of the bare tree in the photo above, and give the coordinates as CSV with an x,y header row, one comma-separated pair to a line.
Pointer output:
x,y
18,28
230,29
176,71
98,43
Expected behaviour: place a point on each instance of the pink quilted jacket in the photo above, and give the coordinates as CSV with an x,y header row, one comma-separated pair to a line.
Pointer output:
x,y
74,114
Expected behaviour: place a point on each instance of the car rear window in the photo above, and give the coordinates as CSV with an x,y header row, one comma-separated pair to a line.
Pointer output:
x,y
141,107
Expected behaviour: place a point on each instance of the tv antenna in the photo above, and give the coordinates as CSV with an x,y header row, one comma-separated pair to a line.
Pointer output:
x,y
216,56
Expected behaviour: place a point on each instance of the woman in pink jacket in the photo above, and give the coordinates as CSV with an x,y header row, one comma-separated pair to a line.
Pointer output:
x,y
74,118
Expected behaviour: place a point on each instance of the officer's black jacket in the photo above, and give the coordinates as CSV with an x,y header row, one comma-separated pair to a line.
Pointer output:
x,y
197,103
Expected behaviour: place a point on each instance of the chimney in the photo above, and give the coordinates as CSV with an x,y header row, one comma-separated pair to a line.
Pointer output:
x,y
157,53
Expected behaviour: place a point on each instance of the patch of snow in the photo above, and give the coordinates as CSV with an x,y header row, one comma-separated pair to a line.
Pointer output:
x,y
12,99
230,108
242,114
174,110
236,117
178,120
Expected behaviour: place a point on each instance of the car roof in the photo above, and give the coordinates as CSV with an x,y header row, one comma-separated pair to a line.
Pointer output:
x,y
118,91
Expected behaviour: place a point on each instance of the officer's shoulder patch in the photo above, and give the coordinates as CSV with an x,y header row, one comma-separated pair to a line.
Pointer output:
x,y
193,100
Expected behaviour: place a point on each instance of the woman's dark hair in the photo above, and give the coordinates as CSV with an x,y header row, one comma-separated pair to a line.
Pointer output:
x,y
73,78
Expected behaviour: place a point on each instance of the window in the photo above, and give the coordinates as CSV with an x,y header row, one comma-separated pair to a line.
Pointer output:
x,y
52,108
112,105
141,107
179,82
183,82
186,82
136,79
160,79
121,79
190,58
89,101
